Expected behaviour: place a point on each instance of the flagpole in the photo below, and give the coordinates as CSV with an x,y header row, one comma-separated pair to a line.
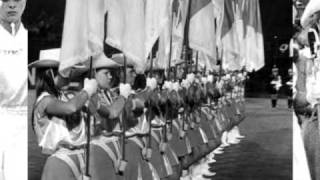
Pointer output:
x,y
197,61
124,115
170,50
87,173
186,38
220,65
149,108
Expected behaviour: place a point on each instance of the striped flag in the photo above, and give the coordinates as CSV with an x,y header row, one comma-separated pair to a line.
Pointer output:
x,y
254,49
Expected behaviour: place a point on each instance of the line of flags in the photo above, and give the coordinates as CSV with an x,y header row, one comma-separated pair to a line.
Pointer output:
x,y
217,29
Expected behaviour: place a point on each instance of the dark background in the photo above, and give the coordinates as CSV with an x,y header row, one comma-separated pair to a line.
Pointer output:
x,y
44,20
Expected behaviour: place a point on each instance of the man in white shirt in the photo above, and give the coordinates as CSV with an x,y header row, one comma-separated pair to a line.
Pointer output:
x,y
13,91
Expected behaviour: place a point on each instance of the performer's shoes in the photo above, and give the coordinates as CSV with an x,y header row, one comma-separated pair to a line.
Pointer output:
x,y
218,151
224,145
240,137
234,141
202,169
237,133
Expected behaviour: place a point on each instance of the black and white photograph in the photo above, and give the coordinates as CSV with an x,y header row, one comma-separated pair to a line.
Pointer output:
x,y
160,89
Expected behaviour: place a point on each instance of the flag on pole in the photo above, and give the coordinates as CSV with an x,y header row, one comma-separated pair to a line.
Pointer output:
x,y
74,47
133,26
126,29
162,60
218,15
82,39
202,27
179,13
206,60
232,35
157,21
254,49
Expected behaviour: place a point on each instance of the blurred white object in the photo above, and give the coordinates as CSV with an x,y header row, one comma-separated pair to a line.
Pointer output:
x,y
204,80
210,78
185,84
151,83
175,86
312,7
190,77
90,86
299,160
125,90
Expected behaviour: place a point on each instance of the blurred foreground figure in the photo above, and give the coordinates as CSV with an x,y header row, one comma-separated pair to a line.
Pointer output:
x,y
306,99
13,91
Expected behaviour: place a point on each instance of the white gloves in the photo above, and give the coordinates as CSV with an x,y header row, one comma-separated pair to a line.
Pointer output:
x,y
210,78
219,85
125,90
175,86
167,85
151,83
185,84
277,84
233,79
90,86
226,77
289,83
190,78
204,80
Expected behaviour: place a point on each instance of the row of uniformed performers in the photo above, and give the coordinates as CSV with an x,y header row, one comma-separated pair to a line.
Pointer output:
x,y
306,53
172,129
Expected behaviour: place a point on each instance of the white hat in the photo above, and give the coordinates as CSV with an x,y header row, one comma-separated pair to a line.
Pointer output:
x,y
102,61
312,7
48,58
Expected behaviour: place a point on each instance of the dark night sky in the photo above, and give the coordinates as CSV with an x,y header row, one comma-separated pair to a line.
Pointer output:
x,y
276,21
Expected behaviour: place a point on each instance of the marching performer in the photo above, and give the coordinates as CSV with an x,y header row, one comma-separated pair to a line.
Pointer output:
x,y
13,91
106,107
137,152
275,85
58,124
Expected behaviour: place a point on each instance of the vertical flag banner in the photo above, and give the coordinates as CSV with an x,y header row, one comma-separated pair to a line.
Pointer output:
x,y
74,47
126,29
254,52
83,39
157,19
133,26
218,15
179,13
232,36
202,27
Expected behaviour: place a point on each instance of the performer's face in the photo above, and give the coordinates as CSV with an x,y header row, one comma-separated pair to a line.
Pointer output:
x,y
103,78
11,10
180,71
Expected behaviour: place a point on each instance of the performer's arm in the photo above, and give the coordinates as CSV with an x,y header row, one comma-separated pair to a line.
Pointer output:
x,y
112,111
58,107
